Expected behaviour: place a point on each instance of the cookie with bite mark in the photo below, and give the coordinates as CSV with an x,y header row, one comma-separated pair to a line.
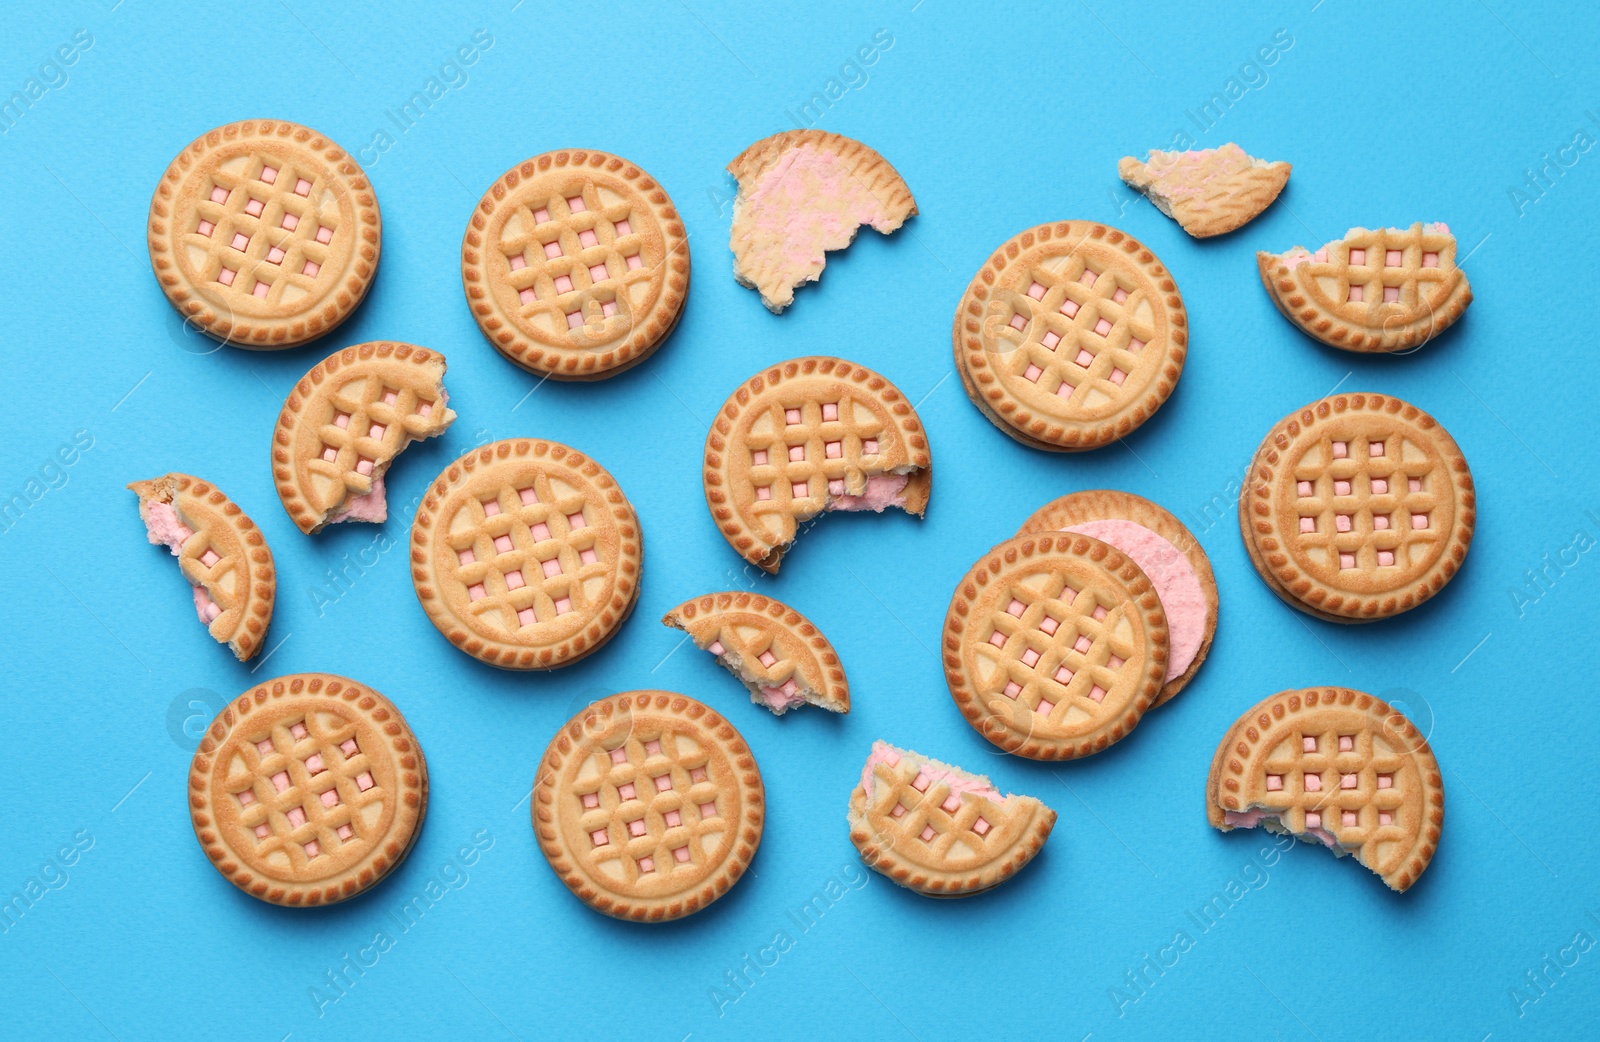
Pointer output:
x,y
939,831
1336,767
801,194
775,651
222,555
807,436
343,424
1209,191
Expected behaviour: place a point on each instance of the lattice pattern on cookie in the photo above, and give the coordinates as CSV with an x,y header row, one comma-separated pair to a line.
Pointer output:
x,y
1365,503
1058,647
305,790
526,553
651,807
1348,781
810,449
1412,267
266,227
569,251
936,822
372,421
1077,332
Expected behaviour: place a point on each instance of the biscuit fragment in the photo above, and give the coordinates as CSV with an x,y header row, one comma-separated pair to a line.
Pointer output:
x,y
222,555
1208,192
1336,767
776,652
939,831
346,421
1373,291
801,194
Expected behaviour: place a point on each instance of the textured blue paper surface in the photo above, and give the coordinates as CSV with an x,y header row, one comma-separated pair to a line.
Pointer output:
x,y
1482,115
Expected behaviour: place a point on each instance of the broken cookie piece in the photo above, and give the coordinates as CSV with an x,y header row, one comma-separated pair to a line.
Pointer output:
x,y
801,194
775,651
1374,291
346,421
221,553
938,830
1208,192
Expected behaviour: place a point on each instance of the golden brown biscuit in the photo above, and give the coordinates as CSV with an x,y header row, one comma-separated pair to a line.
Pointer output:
x,y
525,554
1055,645
648,806
1168,554
346,421
938,830
809,435
575,265
801,194
1334,766
221,553
1209,192
1372,291
264,234
308,789
775,651
1070,336
1357,507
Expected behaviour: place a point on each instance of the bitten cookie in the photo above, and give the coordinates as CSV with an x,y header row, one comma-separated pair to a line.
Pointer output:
x,y
775,651
801,194
308,789
575,265
525,554
1336,767
648,806
221,553
1372,291
1070,336
1055,645
264,234
1208,192
1357,507
939,831
807,436
346,421
1168,554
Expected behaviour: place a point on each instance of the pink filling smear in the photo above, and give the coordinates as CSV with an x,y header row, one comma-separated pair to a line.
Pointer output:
x,y
1251,818
1182,597
882,491
781,699
928,776
167,529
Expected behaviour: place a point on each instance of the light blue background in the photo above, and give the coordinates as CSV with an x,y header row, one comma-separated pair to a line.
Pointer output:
x,y
998,122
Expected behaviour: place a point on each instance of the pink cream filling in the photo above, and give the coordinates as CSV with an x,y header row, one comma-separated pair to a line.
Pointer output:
x,y
882,491
1251,818
1182,597
780,207
884,753
167,529
778,700
1300,255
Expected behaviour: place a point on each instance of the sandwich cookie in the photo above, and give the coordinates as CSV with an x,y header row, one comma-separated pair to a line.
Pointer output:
x,y
775,651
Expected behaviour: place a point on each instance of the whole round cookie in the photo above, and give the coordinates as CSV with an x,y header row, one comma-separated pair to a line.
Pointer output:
x,y
1165,550
1070,336
575,265
525,554
308,789
1055,645
648,805
264,234
345,422
808,436
1357,507
1337,767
